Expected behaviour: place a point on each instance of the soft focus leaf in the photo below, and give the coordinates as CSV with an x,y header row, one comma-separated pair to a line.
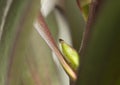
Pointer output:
x,y
101,63
4,8
24,58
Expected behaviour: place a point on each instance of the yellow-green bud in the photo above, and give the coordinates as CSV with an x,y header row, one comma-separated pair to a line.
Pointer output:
x,y
70,55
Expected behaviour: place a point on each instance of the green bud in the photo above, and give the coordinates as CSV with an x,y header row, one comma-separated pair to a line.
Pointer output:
x,y
70,55
84,7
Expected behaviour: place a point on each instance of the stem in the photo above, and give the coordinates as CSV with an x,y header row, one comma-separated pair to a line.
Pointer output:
x,y
94,8
72,82
43,30
78,3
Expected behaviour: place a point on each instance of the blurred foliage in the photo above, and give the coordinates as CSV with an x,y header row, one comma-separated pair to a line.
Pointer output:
x,y
7,38
101,63
2,7
25,58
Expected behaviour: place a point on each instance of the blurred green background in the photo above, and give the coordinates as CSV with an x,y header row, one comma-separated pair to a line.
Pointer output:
x,y
26,59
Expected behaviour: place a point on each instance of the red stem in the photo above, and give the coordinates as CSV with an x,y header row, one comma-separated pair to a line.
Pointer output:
x,y
93,11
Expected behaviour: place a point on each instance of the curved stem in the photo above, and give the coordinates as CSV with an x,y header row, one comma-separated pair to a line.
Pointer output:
x,y
43,30
93,11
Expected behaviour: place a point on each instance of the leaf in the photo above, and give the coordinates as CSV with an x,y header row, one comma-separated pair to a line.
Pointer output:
x,y
4,8
101,63
15,46
7,40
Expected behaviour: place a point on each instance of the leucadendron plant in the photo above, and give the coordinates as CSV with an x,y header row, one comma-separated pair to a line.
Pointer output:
x,y
27,40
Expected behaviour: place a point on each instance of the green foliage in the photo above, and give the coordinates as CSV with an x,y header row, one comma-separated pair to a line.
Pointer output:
x,y
7,40
101,63
24,57
2,7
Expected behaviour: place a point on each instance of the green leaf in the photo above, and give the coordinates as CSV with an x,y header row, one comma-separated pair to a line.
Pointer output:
x,y
22,51
101,63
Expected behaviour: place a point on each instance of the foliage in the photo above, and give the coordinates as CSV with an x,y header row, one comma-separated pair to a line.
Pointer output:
x,y
25,58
